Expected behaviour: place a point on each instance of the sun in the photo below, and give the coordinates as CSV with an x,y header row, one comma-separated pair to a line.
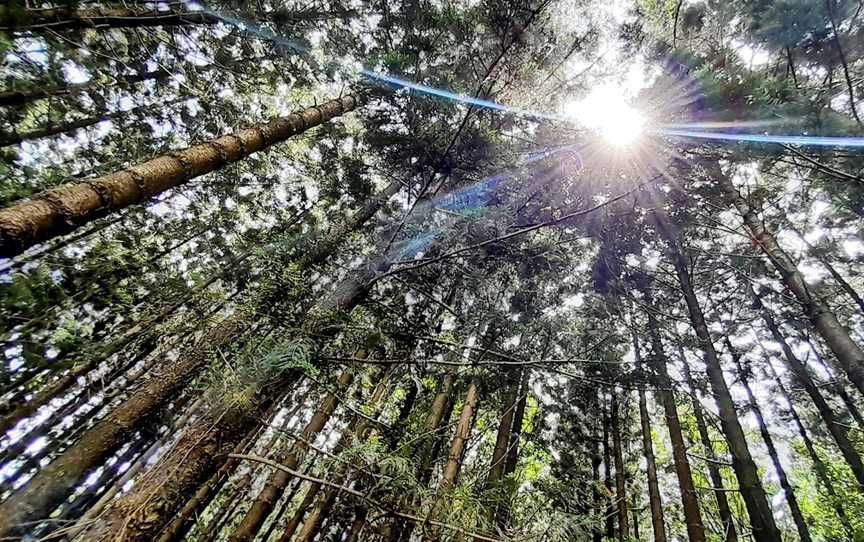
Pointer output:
x,y
606,111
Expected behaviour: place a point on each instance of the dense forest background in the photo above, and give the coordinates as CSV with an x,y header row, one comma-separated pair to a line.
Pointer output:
x,y
395,270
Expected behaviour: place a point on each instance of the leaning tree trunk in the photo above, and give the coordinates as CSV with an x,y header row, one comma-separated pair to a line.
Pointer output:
x,y
849,355
457,446
689,499
620,482
278,481
102,17
17,98
658,523
63,209
16,138
139,515
730,533
788,490
839,431
761,517
49,487
818,464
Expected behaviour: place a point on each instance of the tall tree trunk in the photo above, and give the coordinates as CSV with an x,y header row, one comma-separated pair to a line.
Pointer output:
x,y
818,464
49,487
788,491
689,499
620,475
505,428
658,523
849,355
839,432
296,519
838,387
761,517
201,450
138,515
730,533
439,414
598,508
118,15
16,138
108,17
17,98
462,434
457,446
607,474
63,209
518,418
278,480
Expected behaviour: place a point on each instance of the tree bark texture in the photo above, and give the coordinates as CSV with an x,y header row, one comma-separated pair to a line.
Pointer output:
x,y
849,355
63,209
689,498
788,490
761,517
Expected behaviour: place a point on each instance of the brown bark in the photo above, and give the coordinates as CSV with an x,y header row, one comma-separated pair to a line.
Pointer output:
x,y
658,523
278,481
689,498
607,475
620,475
788,490
505,428
300,513
839,432
202,449
462,434
63,209
761,517
518,418
849,355
439,414
730,533
50,486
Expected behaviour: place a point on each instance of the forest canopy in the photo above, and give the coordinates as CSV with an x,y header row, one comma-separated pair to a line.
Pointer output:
x,y
420,270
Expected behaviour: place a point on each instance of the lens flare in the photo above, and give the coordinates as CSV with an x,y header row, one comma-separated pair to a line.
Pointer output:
x,y
606,111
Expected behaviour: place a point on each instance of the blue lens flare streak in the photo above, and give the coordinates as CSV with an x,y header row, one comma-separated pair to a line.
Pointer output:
x,y
800,140
808,141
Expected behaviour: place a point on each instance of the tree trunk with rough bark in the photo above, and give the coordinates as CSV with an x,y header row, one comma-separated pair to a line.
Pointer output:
x,y
462,434
63,209
658,522
607,475
50,486
818,464
278,480
620,475
761,517
788,490
839,431
16,138
689,498
849,355
730,533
